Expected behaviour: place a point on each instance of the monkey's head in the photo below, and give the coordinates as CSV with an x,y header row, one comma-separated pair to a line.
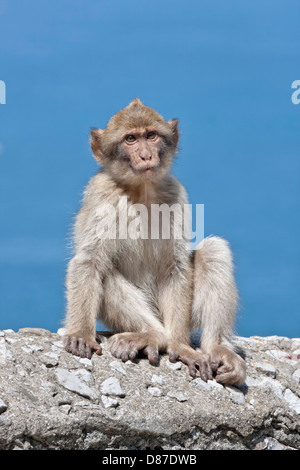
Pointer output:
x,y
137,144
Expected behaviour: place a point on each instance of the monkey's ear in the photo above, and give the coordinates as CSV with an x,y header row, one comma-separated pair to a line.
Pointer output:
x,y
95,141
174,126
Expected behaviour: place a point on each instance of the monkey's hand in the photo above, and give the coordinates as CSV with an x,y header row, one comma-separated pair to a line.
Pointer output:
x,y
195,360
229,367
126,346
81,345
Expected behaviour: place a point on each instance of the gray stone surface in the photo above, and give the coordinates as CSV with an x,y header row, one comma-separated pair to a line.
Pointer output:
x,y
50,399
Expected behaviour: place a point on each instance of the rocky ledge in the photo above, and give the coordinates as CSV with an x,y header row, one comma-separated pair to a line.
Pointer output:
x,y
50,399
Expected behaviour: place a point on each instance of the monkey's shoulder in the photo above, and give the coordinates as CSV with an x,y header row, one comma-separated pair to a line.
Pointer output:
x,y
101,188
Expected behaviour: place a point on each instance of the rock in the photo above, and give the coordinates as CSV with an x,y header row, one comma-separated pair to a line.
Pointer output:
x,y
116,365
53,400
155,391
178,395
2,351
174,365
157,379
266,368
3,406
271,444
111,386
50,359
34,331
70,381
109,402
296,376
292,399
236,395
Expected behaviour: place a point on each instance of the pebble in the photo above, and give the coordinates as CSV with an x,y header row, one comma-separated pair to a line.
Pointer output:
x,y
31,348
174,365
2,350
277,354
3,406
208,386
111,386
292,400
84,375
84,361
296,376
70,381
236,394
116,365
266,368
61,332
50,359
157,379
155,391
178,395
109,402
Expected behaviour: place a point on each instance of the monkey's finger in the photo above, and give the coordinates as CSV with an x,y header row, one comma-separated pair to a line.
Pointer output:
x,y
214,364
151,352
204,370
224,369
173,356
98,350
192,369
67,344
133,354
191,363
84,349
125,356
74,346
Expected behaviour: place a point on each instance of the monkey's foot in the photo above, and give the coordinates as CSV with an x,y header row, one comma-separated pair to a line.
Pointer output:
x,y
229,367
80,345
195,360
126,346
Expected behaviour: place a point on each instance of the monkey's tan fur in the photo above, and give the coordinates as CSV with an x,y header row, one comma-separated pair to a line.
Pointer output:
x,y
151,293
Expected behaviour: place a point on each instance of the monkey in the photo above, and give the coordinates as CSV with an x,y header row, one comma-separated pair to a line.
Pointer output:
x,y
151,293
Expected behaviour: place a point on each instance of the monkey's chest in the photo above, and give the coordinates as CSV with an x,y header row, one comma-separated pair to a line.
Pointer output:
x,y
142,262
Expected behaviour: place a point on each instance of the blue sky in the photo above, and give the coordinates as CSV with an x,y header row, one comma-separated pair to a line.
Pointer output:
x,y
224,69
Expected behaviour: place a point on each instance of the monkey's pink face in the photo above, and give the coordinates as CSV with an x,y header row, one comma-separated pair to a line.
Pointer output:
x,y
142,147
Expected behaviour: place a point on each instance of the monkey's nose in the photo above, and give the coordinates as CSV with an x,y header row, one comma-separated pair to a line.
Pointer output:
x,y
146,156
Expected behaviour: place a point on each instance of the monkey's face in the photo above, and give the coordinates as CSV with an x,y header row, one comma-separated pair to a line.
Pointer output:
x,y
137,144
143,150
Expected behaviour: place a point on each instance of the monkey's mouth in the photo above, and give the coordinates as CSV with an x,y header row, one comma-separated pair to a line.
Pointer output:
x,y
145,170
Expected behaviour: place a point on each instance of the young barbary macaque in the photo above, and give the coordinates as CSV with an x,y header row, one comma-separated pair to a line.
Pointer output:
x,y
151,292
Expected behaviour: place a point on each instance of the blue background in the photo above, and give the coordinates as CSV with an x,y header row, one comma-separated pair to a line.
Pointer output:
x,y
224,68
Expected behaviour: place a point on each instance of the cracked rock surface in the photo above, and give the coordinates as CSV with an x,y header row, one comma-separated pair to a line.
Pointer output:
x,y
50,399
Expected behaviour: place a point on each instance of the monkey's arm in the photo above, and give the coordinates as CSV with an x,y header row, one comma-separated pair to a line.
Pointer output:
x,y
84,282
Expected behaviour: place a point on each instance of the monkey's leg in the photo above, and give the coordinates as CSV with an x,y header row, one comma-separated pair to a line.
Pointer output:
x,y
214,306
84,294
175,300
127,310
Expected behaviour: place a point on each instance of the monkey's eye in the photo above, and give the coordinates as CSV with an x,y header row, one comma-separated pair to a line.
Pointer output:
x,y
151,135
130,138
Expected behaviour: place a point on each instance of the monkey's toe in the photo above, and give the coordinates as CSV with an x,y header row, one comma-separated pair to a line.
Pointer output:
x,y
229,368
126,346
152,353
196,362
79,346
